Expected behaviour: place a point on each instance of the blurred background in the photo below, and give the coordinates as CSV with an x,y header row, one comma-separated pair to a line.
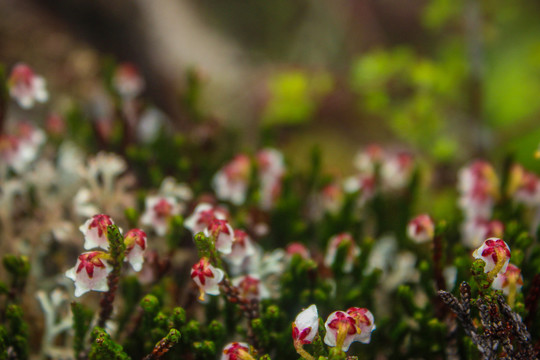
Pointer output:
x,y
446,79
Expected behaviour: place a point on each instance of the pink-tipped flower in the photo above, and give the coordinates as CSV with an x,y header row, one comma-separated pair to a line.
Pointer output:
x,y
231,182
332,198
26,87
95,231
526,186
511,278
365,184
396,170
90,272
158,212
297,248
223,235
236,351
306,326
135,241
421,229
344,239
127,81
242,248
366,160
341,330
270,164
206,277
495,253
364,321
251,288
202,217
476,230
478,185
271,169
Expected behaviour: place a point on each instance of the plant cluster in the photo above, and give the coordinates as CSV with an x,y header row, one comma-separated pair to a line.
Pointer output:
x,y
233,254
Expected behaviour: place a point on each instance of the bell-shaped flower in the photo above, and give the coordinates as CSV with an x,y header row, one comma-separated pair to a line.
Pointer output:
x,y
271,169
296,248
95,231
366,161
496,254
26,87
202,217
242,248
365,184
524,186
421,229
90,272
478,186
231,182
509,281
306,326
207,277
236,351
332,197
223,235
344,239
159,210
251,287
341,330
270,163
127,81
364,321
475,231
396,170
135,241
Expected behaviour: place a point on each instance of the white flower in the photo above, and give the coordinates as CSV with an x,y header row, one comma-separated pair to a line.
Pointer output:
x,y
223,235
127,81
396,170
352,251
169,187
242,248
341,330
202,217
475,231
271,169
150,123
421,229
251,287
82,203
206,277
366,160
511,277
26,87
306,325
135,240
90,273
364,321
95,231
159,209
231,182
495,253
108,166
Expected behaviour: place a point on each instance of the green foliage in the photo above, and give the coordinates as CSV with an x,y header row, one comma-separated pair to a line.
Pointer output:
x,y
82,316
17,331
293,97
104,348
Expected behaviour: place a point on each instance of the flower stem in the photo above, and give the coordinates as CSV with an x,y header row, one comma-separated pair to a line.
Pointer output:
x,y
303,353
117,249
